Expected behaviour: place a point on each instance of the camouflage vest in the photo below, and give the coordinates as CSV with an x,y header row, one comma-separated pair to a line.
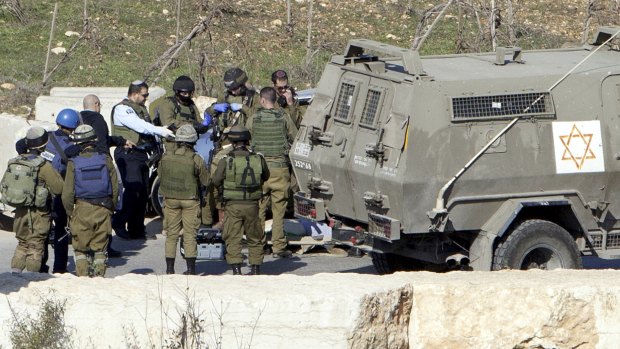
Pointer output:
x,y
126,132
243,177
178,175
269,133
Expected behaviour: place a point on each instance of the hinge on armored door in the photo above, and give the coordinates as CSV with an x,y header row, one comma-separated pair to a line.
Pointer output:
x,y
598,209
377,150
376,200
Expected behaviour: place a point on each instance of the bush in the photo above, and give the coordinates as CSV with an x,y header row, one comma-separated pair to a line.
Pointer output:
x,y
46,330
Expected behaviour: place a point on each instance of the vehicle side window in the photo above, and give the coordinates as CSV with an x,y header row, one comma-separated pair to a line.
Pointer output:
x,y
533,104
372,107
346,99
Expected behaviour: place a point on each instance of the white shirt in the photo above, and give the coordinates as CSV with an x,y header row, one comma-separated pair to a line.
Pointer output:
x,y
124,115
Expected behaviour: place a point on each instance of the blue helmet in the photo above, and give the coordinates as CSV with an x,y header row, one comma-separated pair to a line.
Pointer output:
x,y
68,118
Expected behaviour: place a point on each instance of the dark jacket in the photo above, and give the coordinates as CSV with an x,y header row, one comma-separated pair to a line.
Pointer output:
x,y
104,140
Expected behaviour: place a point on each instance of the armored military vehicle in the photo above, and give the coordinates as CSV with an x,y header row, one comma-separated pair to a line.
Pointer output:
x,y
496,160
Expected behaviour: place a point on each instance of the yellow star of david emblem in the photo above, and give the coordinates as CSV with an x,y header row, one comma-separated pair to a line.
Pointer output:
x,y
576,155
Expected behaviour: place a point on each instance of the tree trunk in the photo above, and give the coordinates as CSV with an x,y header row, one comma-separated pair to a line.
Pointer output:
x,y
512,37
492,25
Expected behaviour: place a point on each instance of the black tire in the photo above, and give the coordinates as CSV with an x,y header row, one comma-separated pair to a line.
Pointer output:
x,y
388,263
537,244
157,200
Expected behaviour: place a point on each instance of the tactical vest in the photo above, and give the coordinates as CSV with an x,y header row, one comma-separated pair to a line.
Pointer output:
x,y
269,133
55,155
126,132
231,118
243,177
20,185
178,175
92,178
183,112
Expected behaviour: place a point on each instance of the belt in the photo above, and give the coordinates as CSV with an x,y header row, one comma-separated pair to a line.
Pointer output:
x,y
277,164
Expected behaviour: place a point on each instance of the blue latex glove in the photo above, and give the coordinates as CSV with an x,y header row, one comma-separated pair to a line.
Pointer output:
x,y
236,106
207,119
221,107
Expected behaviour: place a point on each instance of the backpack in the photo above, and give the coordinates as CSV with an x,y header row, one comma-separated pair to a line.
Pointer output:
x,y
243,177
20,184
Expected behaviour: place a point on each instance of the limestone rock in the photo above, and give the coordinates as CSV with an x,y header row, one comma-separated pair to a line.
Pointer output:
x,y
7,86
504,309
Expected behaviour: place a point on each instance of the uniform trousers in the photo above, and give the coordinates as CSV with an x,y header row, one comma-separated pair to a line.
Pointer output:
x,y
243,216
31,226
90,226
181,215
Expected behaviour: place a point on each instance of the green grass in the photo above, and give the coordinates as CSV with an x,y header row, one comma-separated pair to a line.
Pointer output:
x,y
130,35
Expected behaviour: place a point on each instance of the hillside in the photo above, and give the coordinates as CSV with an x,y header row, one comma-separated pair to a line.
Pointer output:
x,y
122,40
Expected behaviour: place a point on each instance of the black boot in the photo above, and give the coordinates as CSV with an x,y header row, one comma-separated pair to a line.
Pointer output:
x,y
254,270
191,266
236,268
169,265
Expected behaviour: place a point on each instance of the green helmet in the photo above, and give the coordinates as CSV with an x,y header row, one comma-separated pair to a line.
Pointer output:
x,y
84,134
235,78
239,134
36,137
186,133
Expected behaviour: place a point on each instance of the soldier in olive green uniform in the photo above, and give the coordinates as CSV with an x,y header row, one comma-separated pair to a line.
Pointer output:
x,y
89,196
32,222
286,97
240,176
234,107
178,110
272,131
182,172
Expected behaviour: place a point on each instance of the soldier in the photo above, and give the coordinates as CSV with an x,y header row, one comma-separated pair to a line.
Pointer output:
x,y
178,110
91,115
233,108
31,199
89,196
272,131
240,176
288,101
182,172
131,120
287,97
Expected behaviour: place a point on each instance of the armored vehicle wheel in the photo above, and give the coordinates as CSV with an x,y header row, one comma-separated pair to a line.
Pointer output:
x,y
157,200
388,263
537,244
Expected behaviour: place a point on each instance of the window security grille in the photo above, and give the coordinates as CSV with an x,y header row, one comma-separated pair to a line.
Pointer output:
x,y
345,99
370,108
502,106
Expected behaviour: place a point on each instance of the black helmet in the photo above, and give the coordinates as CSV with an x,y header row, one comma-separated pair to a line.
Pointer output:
x,y
234,78
239,134
183,84
36,137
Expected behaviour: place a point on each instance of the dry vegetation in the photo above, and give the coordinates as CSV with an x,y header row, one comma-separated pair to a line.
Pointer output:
x,y
118,41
